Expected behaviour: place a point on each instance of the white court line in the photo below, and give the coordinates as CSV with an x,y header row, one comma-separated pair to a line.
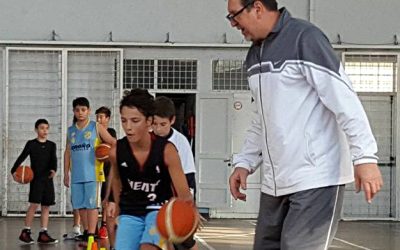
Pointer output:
x,y
338,239
204,243
352,244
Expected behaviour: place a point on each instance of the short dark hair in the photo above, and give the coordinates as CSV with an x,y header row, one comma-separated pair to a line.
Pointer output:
x,y
140,99
80,101
164,107
269,4
103,110
40,121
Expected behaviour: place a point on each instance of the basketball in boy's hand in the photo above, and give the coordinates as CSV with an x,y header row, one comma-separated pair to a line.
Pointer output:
x,y
177,220
102,151
24,174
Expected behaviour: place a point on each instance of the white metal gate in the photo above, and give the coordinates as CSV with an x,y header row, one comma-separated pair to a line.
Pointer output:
x,y
41,83
374,77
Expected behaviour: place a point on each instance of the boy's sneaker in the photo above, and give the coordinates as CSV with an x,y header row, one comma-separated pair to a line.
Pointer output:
x,y
82,237
76,231
25,236
44,238
102,233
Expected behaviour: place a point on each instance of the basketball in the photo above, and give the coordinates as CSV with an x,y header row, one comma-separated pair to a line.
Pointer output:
x,y
102,151
177,220
24,174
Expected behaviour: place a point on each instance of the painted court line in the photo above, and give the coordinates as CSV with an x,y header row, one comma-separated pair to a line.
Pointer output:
x,y
204,243
352,244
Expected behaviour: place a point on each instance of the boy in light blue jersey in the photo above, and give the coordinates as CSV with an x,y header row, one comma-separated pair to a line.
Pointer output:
x,y
79,159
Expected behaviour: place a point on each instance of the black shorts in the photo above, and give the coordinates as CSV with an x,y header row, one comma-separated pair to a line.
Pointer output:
x,y
41,191
191,179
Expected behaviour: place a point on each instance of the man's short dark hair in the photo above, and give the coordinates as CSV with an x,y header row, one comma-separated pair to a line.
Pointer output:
x,y
80,101
164,107
103,110
269,4
40,121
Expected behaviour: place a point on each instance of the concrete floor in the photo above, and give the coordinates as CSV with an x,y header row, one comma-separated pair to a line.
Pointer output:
x,y
219,235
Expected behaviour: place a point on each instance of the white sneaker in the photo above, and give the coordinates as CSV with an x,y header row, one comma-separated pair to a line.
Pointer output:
x,y
76,231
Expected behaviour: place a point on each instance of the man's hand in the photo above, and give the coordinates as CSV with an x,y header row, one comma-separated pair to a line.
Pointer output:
x,y
66,180
368,177
238,181
52,174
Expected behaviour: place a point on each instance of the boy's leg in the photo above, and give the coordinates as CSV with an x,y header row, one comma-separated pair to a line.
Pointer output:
x,y
44,237
30,214
77,218
44,217
151,237
78,204
312,218
111,230
126,240
48,199
25,235
92,203
84,218
92,217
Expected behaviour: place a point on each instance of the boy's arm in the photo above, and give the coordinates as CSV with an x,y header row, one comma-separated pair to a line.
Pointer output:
x,y
114,181
53,162
67,161
105,136
114,184
25,152
171,159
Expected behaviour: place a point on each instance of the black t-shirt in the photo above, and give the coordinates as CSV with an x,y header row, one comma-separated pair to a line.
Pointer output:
x,y
43,158
143,189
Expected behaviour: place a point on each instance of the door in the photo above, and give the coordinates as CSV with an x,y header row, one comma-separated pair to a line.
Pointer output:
x,y
213,149
243,108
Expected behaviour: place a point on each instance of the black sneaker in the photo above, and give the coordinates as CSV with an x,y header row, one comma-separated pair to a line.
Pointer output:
x,y
82,237
25,236
44,238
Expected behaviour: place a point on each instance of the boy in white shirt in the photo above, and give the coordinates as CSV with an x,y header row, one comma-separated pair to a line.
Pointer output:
x,y
164,118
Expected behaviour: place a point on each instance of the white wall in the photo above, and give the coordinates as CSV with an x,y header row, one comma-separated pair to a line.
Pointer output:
x,y
188,21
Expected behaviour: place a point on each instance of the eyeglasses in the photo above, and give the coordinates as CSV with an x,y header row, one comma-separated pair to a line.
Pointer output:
x,y
231,17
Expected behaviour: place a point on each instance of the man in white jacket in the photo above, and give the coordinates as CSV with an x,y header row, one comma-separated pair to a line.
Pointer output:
x,y
310,130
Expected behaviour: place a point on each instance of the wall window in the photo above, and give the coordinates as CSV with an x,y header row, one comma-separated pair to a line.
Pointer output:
x,y
372,73
160,74
229,75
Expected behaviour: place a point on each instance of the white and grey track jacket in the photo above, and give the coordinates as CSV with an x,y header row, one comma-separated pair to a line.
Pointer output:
x,y
310,123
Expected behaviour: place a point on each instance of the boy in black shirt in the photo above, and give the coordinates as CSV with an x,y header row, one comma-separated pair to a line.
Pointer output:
x,y
42,153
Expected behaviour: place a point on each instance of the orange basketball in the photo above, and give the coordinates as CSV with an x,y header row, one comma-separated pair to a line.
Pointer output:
x,y
177,220
24,174
102,151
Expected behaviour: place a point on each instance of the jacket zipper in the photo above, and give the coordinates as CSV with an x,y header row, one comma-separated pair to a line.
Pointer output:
x,y
263,117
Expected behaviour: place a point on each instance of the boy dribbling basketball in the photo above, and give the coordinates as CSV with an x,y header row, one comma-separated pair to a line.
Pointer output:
x,y
42,153
144,168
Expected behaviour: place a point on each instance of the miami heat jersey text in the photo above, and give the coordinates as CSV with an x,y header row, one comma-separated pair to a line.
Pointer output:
x,y
146,188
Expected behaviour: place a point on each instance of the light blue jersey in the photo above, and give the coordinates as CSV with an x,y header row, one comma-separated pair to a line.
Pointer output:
x,y
82,147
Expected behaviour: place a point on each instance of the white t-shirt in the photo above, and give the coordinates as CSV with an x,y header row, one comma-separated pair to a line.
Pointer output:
x,y
184,151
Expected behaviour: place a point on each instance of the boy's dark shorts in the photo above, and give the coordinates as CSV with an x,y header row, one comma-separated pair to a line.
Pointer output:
x,y
41,191
191,179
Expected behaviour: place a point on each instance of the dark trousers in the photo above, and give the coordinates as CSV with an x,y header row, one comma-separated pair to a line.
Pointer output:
x,y
305,220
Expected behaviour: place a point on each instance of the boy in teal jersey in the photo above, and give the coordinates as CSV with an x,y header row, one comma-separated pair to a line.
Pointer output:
x,y
79,159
